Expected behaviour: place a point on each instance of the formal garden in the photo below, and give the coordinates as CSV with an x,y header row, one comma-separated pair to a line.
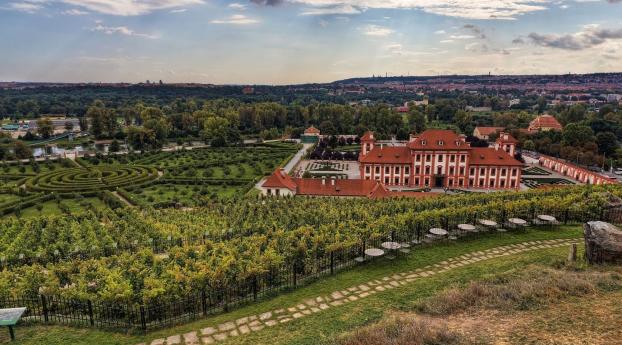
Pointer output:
x,y
185,178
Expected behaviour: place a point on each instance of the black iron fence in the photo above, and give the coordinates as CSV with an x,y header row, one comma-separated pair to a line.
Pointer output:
x,y
216,299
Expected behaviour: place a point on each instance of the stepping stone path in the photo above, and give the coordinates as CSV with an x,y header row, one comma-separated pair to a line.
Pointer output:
x,y
255,323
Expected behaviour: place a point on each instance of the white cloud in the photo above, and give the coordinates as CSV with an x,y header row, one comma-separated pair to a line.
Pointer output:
x,y
446,41
28,6
130,7
74,12
237,6
472,9
439,32
461,37
121,30
328,10
377,31
179,10
236,19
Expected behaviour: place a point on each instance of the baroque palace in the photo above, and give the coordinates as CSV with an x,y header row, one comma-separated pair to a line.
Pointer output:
x,y
441,159
432,159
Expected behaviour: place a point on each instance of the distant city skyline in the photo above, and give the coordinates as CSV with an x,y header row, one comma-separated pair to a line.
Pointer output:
x,y
303,41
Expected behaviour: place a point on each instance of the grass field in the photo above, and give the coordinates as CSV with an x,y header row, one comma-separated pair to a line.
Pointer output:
x,y
325,326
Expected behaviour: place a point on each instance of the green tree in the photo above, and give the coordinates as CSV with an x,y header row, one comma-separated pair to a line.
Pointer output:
x,y
45,128
577,135
607,143
22,151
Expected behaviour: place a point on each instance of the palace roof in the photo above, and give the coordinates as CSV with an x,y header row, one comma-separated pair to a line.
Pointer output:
x,y
387,154
490,156
438,139
487,131
335,187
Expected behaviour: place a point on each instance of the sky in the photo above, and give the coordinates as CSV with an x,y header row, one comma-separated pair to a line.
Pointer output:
x,y
303,41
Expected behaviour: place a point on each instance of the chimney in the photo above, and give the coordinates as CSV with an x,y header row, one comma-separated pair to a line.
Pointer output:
x,y
332,181
323,181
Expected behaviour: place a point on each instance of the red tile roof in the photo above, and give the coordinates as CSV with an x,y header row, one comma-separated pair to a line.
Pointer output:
x,y
379,192
487,131
369,135
280,179
308,186
312,130
387,154
505,137
438,139
544,121
490,156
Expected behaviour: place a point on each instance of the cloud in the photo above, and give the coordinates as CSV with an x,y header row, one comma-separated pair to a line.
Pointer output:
x,y
589,37
130,7
267,2
74,12
179,10
518,40
330,10
121,30
471,9
461,37
446,41
27,6
377,31
236,19
237,6
439,32
476,30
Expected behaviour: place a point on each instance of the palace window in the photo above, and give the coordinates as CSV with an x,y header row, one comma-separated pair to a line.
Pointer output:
x,y
418,158
512,183
269,191
461,170
406,180
428,158
471,182
416,181
493,171
386,180
482,171
463,158
440,158
417,170
451,170
407,170
387,170
427,170
367,169
514,172
461,182
377,170
481,182
397,170
427,182
503,172
397,180
501,183
439,170
492,183
278,192
452,158
472,171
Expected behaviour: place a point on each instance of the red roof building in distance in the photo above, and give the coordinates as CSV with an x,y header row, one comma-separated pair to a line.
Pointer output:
x,y
441,159
484,133
312,131
544,123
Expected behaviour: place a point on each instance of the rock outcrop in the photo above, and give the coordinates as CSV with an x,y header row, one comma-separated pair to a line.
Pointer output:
x,y
603,243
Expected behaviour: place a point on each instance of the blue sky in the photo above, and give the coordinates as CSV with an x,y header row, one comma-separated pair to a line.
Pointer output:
x,y
296,41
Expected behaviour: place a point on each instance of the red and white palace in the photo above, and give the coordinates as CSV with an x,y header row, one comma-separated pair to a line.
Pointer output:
x,y
441,158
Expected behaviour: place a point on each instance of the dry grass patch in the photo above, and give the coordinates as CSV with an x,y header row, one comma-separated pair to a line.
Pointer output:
x,y
521,307
532,288
404,330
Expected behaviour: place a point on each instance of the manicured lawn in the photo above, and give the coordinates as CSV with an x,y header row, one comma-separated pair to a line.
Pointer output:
x,y
323,326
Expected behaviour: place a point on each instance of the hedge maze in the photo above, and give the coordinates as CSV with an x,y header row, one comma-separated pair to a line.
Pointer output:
x,y
184,178
76,180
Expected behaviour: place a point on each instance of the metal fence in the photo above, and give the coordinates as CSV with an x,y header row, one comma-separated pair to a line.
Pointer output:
x,y
217,299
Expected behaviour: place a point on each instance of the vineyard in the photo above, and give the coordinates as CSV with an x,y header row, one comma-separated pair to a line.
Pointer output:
x,y
229,251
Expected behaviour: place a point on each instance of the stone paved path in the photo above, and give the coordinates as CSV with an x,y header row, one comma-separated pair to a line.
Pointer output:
x,y
272,318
